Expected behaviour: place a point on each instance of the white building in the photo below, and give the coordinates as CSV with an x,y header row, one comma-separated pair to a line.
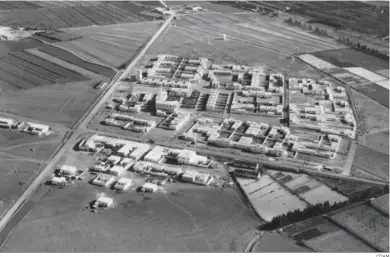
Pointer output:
x,y
103,180
191,158
117,170
114,159
104,201
6,123
149,187
195,177
36,129
58,181
123,184
67,170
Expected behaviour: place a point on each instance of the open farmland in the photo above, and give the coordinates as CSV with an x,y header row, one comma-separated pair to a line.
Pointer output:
x,y
273,242
264,33
318,233
268,198
372,115
72,16
15,176
20,45
112,45
370,76
309,189
378,141
372,161
16,5
188,220
367,223
347,188
347,57
381,203
61,103
338,242
21,70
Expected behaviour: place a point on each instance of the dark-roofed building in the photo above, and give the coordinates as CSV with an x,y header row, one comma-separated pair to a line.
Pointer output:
x,y
246,165
253,174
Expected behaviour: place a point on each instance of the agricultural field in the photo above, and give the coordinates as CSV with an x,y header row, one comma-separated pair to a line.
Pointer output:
x,y
308,189
347,188
19,45
15,176
111,45
19,5
381,203
61,103
368,75
268,198
347,57
321,235
21,71
372,161
372,115
185,220
267,34
273,242
378,141
101,13
367,223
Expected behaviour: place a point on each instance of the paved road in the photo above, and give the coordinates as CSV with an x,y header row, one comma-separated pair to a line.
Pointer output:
x,y
77,130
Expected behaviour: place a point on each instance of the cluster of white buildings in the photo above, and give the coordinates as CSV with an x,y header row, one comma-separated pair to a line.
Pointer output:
x,y
27,127
261,138
265,106
174,71
135,103
331,114
175,121
164,106
129,123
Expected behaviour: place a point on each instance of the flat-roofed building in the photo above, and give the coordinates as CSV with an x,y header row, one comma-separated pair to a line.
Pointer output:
x,y
6,123
36,129
149,187
104,201
103,180
117,170
123,184
58,180
68,170
253,174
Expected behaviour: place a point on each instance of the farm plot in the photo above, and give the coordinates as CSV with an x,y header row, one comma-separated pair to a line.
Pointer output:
x,y
111,45
15,176
378,141
309,189
269,199
71,16
162,222
372,161
273,242
371,114
347,188
61,103
318,232
20,45
366,223
381,203
21,70
60,62
351,58
377,92
188,42
368,75
338,242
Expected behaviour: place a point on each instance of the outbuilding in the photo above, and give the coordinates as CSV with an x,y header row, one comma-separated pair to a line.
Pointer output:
x,y
103,180
68,170
117,170
104,201
149,187
123,184
58,180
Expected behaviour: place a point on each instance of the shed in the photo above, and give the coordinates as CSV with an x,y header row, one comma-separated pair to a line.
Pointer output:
x,y
68,170
104,201
123,184
149,187
58,180
117,170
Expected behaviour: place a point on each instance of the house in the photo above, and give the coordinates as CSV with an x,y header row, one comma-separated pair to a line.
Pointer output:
x,y
36,129
149,187
103,180
246,165
195,177
104,201
58,180
123,184
117,170
6,123
67,170
114,159
253,174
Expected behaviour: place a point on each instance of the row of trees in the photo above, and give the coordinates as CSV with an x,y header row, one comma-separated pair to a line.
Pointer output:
x,y
321,208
